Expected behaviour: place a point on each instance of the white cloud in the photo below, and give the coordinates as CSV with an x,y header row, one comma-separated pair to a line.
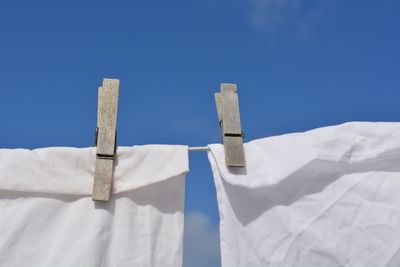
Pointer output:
x,y
201,242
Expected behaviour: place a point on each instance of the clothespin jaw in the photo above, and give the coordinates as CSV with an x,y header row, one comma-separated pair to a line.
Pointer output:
x,y
105,139
227,103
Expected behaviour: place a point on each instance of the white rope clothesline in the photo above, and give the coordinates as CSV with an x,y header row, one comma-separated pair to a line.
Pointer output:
x,y
198,148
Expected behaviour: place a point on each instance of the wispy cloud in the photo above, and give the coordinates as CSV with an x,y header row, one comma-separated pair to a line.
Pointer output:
x,y
201,244
272,14
276,15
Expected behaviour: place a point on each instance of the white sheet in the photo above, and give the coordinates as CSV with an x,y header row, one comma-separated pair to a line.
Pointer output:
x,y
48,219
324,198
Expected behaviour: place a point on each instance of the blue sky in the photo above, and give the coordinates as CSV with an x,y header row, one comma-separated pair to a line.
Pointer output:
x,y
298,65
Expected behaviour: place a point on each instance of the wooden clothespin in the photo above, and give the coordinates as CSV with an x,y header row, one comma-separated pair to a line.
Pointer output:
x,y
106,139
229,118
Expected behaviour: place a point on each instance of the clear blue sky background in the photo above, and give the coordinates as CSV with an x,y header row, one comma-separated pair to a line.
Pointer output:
x,y
298,64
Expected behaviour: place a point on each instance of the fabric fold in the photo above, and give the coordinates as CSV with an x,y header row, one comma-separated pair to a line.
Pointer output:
x,y
64,170
269,160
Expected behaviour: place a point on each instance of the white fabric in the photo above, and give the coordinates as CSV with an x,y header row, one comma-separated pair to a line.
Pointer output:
x,y
48,219
324,198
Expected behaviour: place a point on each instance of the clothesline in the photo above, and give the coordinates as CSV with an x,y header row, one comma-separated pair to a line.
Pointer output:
x,y
199,148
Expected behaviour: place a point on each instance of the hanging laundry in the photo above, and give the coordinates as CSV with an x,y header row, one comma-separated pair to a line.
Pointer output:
x,y
48,218
327,197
